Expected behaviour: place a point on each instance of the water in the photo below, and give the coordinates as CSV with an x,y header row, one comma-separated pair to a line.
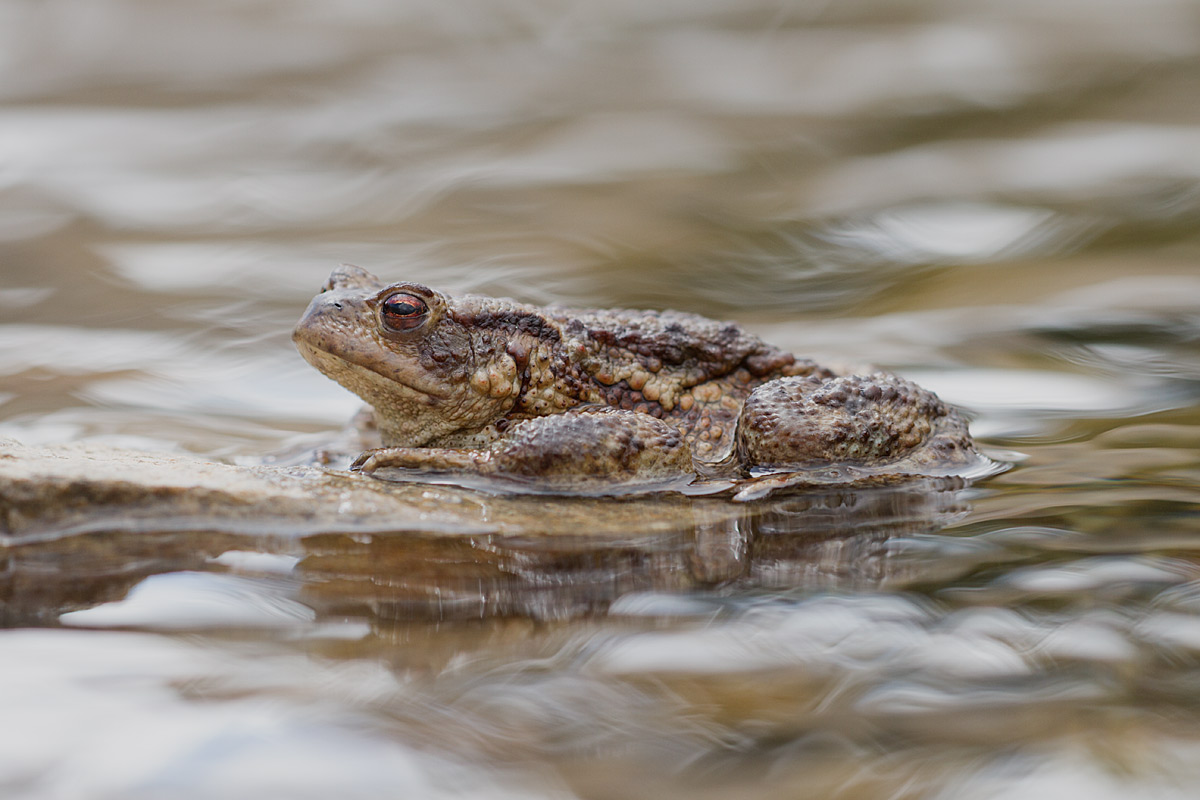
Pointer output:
x,y
996,199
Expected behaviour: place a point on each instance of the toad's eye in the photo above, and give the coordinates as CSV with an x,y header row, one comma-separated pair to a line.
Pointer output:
x,y
403,311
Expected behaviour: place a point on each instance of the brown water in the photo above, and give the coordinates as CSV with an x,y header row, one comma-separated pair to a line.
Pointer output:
x,y
999,199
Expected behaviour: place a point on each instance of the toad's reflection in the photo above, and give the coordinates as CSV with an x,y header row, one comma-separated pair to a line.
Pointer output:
x,y
817,540
556,559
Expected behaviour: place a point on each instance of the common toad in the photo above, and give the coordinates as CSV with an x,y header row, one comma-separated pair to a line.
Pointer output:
x,y
566,396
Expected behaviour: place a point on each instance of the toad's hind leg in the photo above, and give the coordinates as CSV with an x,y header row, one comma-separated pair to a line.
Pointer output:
x,y
868,421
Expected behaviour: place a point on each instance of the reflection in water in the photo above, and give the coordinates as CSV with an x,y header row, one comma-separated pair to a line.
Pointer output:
x,y
39,581
835,540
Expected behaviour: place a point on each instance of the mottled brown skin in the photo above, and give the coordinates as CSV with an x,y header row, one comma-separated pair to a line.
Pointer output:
x,y
497,387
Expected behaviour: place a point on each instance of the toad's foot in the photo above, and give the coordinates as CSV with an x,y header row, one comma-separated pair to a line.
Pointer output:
x,y
587,446
868,423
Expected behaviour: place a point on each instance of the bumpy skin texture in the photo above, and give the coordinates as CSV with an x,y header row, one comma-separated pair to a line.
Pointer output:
x,y
855,419
497,387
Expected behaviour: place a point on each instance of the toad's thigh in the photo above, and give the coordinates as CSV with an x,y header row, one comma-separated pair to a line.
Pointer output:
x,y
855,419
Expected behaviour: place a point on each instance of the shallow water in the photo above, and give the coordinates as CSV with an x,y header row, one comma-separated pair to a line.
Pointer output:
x,y
996,199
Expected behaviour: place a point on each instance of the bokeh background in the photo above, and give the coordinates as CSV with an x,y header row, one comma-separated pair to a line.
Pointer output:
x,y
998,198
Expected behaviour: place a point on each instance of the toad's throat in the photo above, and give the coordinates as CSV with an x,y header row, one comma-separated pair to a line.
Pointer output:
x,y
366,381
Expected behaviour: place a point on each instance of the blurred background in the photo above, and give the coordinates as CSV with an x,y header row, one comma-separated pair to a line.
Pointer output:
x,y
997,198
179,177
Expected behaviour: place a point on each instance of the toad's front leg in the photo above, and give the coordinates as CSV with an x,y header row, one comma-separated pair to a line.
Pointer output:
x,y
586,446
437,459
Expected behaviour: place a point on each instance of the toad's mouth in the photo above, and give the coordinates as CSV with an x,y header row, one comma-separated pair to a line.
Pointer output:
x,y
368,382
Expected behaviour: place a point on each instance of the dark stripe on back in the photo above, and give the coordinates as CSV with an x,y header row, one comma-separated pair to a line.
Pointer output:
x,y
511,321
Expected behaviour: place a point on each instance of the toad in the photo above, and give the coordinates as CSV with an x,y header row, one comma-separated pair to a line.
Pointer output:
x,y
567,397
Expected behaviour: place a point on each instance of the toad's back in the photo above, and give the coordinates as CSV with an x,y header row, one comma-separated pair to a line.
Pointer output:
x,y
691,370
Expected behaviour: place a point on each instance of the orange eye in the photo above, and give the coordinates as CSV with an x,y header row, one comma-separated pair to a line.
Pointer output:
x,y
403,311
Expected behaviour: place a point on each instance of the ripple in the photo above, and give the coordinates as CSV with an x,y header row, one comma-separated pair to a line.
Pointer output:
x,y
996,391
1097,575
927,233
882,633
1066,165
194,601
144,369
79,704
